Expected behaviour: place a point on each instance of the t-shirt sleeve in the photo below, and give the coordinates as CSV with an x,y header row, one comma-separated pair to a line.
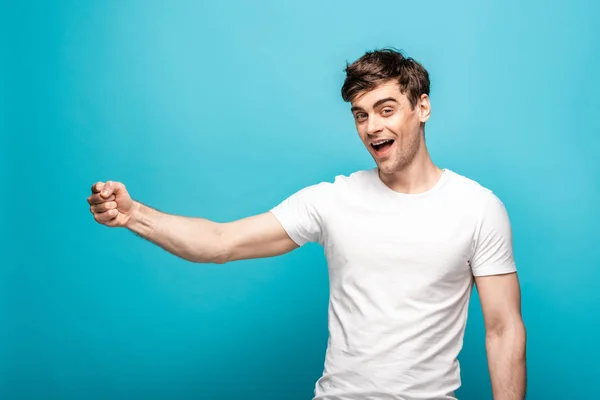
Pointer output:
x,y
493,248
301,214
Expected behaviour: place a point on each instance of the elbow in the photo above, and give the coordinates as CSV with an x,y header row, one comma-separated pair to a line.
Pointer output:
x,y
218,256
222,252
220,259
513,329
507,340
207,259
210,249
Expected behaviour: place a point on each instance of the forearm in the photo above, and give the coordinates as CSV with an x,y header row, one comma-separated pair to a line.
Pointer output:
x,y
194,239
507,362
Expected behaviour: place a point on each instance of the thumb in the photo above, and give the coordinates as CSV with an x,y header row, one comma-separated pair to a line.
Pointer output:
x,y
111,188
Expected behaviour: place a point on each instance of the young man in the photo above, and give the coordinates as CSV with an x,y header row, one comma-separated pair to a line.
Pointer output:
x,y
405,242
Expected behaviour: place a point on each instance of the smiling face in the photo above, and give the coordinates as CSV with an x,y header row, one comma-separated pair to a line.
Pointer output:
x,y
390,128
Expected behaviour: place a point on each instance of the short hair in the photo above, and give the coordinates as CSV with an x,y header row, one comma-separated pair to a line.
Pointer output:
x,y
379,66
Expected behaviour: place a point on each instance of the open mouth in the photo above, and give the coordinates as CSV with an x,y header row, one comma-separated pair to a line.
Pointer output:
x,y
382,146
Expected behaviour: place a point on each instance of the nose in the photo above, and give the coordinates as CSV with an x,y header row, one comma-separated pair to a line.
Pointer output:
x,y
374,126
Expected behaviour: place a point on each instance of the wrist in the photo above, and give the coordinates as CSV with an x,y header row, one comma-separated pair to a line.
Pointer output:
x,y
142,220
134,215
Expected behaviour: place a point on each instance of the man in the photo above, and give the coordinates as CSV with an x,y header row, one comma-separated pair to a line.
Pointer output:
x,y
405,242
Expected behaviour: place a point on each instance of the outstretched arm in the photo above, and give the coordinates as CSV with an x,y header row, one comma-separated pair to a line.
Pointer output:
x,y
194,239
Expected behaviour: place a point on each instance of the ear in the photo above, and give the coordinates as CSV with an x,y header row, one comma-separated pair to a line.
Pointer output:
x,y
424,108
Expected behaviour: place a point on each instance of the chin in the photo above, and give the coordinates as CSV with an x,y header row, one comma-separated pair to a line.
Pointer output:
x,y
390,166
386,167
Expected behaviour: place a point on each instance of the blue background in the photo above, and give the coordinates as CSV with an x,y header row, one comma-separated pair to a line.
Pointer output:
x,y
221,110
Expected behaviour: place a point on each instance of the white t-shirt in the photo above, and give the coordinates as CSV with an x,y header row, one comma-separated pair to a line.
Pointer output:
x,y
401,270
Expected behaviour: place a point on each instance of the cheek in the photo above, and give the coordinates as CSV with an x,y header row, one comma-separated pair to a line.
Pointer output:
x,y
362,132
405,127
397,125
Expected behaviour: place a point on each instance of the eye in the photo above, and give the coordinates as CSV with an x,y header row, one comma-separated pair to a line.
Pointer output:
x,y
360,116
387,111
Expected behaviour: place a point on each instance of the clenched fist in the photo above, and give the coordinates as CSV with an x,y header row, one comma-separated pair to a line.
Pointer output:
x,y
111,204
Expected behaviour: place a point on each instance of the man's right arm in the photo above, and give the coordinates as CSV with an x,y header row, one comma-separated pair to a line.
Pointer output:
x,y
204,241
194,239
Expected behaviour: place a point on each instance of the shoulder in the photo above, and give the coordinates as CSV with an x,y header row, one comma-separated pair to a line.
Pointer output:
x,y
342,183
326,192
473,192
468,186
478,198
356,178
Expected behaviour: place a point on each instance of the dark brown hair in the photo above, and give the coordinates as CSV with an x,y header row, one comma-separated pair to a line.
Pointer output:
x,y
379,66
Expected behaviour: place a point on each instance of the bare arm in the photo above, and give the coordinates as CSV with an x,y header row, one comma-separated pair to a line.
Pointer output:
x,y
204,241
500,298
194,239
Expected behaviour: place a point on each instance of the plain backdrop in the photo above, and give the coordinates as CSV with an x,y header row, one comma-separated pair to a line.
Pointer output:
x,y
221,109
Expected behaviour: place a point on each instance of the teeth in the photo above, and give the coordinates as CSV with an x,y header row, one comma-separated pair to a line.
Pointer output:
x,y
382,142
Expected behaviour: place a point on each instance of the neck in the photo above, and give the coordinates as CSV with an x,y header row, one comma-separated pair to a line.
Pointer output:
x,y
419,176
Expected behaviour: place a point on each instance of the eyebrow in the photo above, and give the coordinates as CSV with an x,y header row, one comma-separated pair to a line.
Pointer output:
x,y
377,103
